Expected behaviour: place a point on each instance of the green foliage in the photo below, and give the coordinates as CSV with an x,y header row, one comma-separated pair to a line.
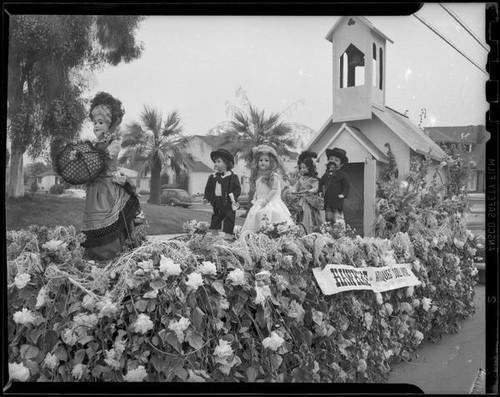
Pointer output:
x,y
46,52
415,205
34,188
200,309
155,143
250,127
58,188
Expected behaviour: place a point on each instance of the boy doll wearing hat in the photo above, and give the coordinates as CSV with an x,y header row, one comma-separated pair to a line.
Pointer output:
x,y
222,191
334,185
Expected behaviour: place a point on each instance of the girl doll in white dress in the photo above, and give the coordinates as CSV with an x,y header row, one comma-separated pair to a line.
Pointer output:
x,y
267,204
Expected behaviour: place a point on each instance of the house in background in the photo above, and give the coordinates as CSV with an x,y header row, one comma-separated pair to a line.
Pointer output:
x,y
141,182
362,124
47,179
472,139
200,147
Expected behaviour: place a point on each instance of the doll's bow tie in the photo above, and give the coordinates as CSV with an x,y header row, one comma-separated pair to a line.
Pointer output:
x,y
219,175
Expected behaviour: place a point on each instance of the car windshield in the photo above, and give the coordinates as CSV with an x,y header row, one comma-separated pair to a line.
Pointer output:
x,y
477,206
182,193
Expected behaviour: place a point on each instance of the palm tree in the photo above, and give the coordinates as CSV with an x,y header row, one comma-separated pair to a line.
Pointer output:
x,y
251,127
153,144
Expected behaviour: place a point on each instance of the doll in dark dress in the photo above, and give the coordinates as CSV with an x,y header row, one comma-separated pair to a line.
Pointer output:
x,y
334,185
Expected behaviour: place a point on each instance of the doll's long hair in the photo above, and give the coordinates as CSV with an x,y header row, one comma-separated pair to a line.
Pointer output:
x,y
267,176
306,158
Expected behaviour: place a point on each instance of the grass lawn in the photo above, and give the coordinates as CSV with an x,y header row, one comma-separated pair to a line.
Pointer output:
x,y
48,210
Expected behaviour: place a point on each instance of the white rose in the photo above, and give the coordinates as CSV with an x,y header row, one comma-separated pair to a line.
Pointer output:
x,y
136,375
194,280
18,372
207,268
78,371
143,324
24,317
236,277
426,303
273,342
262,294
54,245
168,267
222,352
51,361
21,280
179,327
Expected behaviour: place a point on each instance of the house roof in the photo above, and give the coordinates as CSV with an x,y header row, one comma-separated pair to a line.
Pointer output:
x,y
362,19
200,166
128,172
409,133
467,134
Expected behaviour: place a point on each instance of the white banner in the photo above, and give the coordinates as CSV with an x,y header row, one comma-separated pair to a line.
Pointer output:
x,y
339,278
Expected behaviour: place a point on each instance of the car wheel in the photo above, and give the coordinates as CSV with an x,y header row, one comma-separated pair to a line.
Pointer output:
x,y
171,203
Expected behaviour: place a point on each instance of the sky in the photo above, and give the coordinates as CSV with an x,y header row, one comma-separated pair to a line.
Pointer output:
x,y
195,64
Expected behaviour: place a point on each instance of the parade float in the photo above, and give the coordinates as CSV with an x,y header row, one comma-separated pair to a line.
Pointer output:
x,y
260,309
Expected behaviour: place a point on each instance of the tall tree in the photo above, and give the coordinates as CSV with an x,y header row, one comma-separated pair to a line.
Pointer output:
x,y
46,53
155,144
250,127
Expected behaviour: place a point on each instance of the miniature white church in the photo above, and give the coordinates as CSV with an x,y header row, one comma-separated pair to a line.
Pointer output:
x,y
361,123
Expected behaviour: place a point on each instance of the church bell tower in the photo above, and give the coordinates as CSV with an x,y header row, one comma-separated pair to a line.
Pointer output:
x,y
359,67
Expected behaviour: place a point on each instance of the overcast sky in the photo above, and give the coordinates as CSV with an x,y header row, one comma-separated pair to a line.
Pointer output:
x,y
195,64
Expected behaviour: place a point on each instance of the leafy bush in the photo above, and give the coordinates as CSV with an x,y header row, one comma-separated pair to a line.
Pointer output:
x,y
200,309
33,188
58,188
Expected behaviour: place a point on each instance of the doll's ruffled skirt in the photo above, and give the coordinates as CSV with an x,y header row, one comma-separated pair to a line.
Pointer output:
x,y
108,219
274,212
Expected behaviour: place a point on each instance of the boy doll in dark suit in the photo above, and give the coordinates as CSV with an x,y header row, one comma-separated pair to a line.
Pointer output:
x,y
334,185
222,191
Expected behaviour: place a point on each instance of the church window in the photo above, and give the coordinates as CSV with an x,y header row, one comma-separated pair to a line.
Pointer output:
x,y
352,67
374,66
381,63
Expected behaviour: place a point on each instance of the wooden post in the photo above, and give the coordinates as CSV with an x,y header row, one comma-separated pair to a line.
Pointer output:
x,y
370,175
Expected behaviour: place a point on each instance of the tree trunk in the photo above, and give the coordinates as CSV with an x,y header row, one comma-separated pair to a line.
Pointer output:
x,y
16,176
155,194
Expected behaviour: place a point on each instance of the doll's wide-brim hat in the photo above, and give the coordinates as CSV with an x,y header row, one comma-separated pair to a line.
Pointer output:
x,y
265,149
222,153
337,152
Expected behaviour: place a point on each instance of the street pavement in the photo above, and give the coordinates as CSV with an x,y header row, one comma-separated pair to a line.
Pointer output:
x,y
449,366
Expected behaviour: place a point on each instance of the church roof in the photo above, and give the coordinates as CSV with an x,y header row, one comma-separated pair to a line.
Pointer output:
x,y
362,19
409,133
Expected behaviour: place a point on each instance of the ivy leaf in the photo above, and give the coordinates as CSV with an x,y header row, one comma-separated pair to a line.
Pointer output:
x,y
160,364
61,353
86,339
181,373
219,287
197,317
29,352
34,335
79,356
141,305
252,374
172,340
158,284
194,339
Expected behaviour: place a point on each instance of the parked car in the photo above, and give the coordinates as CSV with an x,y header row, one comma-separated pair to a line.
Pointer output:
x,y
475,219
475,213
176,197
74,193
244,202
